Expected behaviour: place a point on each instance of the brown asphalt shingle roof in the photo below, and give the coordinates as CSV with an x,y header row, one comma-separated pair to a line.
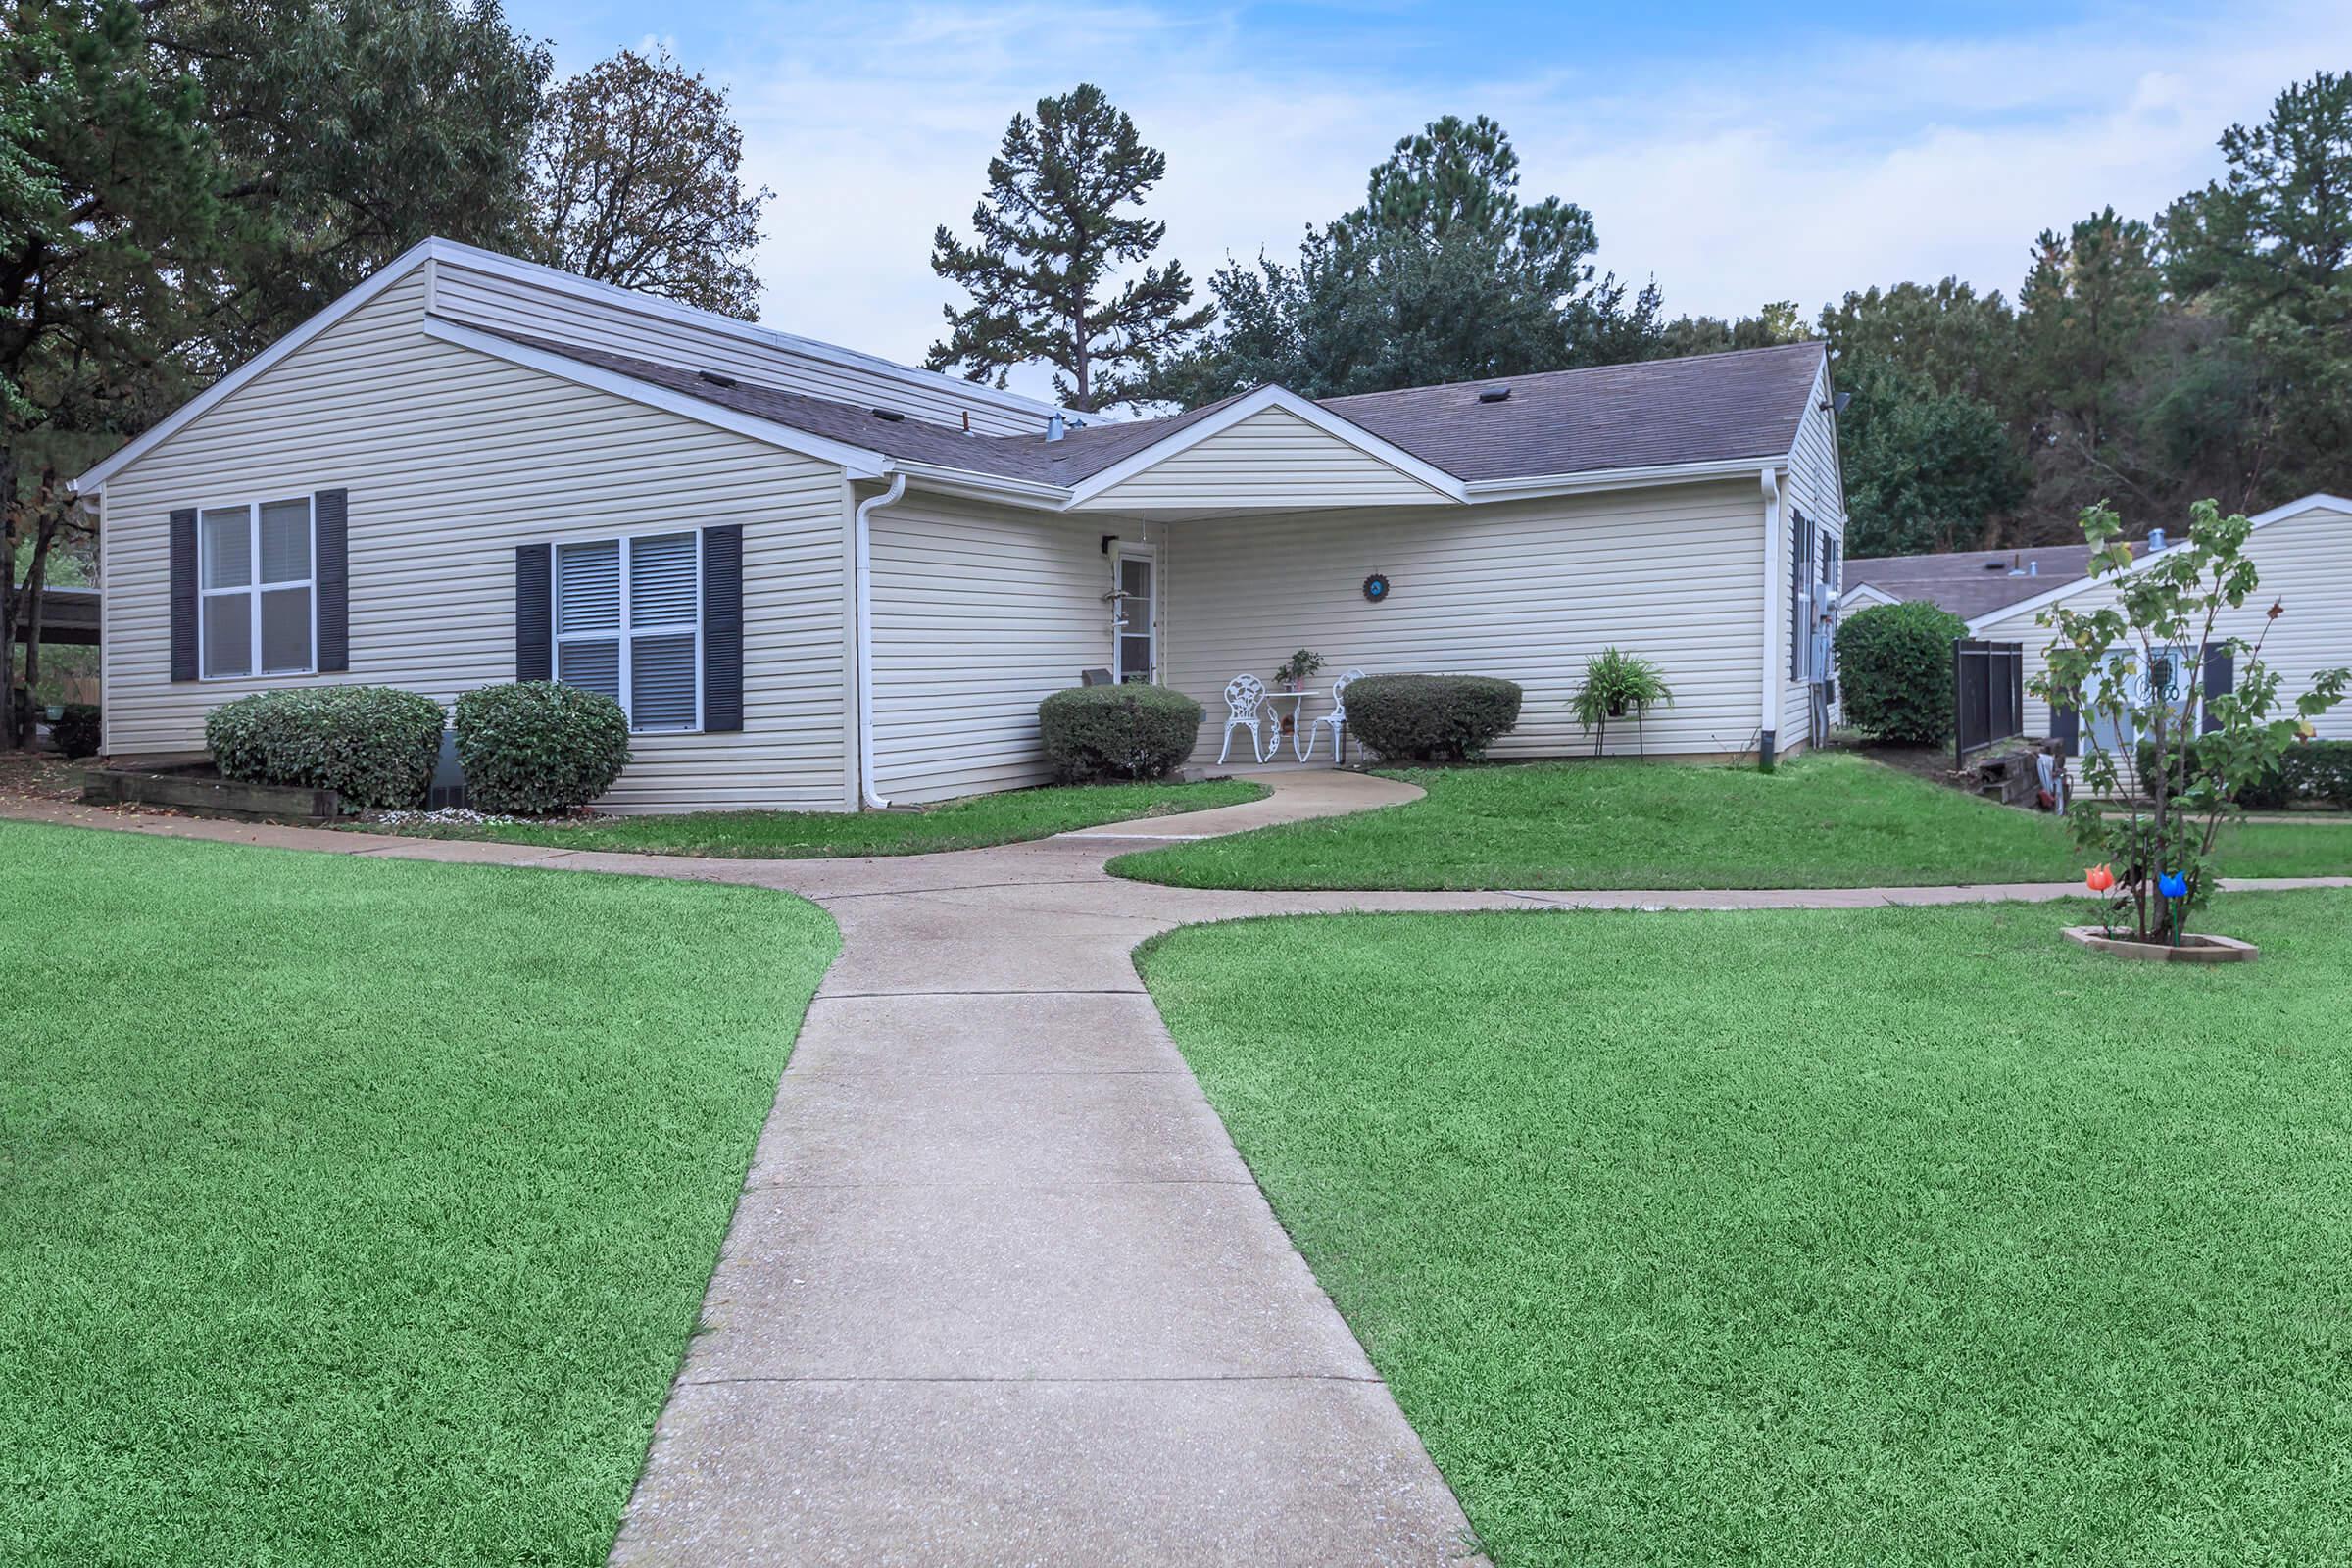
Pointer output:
x,y
1715,407
1972,582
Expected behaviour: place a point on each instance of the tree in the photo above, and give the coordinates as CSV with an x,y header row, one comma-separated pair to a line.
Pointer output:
x,y
1924,469
350,130
112,202
1055,222
2270,245
2084,318
1781,321
2123,663
1442,274
636,179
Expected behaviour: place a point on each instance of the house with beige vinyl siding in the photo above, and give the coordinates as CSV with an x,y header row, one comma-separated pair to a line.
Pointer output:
x,y
816,579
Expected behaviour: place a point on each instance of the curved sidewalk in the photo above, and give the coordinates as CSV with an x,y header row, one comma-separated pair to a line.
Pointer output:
x,y
999,1290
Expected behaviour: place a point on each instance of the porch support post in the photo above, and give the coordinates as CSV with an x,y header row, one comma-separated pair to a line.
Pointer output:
x,y
1769,690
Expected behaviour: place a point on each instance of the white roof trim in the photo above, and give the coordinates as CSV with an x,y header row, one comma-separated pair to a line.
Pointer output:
x,y
196,407
559,281
2319,501
1867,593
1241,407
1517,488
860,463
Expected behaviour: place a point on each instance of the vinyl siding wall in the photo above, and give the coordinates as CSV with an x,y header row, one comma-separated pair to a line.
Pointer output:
x,y
2305,561
1524,590
452,460
1272,458
980,612
511,305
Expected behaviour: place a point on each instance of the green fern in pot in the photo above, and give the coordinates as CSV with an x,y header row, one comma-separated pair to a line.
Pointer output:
x,y
1617,685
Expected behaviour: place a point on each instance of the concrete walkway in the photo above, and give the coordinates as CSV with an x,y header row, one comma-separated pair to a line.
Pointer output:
x,y
999,1290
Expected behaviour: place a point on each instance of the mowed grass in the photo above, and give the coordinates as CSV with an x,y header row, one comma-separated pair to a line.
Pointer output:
x,y
973,822
359,1211
1825,821
1909,1236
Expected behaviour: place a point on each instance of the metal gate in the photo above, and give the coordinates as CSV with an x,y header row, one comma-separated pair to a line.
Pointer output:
x,y
1988,694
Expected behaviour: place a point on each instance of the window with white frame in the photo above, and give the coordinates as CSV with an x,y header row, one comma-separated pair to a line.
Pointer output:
x,y
629,624
257,607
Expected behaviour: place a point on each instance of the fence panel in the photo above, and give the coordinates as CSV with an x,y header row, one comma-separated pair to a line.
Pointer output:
x,y
1988,694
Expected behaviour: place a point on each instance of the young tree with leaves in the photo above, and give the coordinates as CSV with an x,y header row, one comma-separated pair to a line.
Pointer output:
x,y
1059,218
636,179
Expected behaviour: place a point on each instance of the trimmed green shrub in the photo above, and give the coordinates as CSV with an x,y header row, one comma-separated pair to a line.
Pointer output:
x,y
2309,770
375,746
77,730
538,746
1432,718
1130,731
1894,671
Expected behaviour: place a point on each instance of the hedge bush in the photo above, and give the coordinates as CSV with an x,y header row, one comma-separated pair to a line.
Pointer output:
x,y
537,746
1432,718
1894,671
373,744
77,730
1131,732
2311,770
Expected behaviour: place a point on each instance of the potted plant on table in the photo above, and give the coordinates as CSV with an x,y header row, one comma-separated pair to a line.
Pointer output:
x,y
1617,684
2139,666
1291,676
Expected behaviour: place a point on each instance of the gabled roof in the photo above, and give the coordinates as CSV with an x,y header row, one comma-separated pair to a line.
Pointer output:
x,y
1971,582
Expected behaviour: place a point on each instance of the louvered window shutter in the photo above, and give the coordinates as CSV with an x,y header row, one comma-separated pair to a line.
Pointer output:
x,y
665,613
534,624
2220,680
722,628
183,595
332,566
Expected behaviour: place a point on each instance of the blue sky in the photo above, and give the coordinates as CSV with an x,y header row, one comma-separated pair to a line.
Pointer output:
x,y
1736,153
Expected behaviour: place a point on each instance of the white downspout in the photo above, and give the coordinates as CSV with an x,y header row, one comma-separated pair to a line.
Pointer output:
x,y
1770,694
865,566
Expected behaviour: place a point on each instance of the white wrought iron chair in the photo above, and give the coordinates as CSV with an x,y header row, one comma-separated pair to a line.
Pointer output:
x,y
1337,718
1245,708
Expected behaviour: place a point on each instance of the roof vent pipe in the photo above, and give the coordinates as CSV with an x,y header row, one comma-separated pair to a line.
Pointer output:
x,y
2033,569
1053,425
2155,540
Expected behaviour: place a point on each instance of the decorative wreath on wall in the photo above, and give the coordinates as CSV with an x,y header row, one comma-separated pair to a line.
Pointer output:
x,y
1376,587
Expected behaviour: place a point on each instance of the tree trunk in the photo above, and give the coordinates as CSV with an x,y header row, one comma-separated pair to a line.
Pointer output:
x,y
8,594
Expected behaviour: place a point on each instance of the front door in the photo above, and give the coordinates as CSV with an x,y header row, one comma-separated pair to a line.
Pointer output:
x,y
1135,629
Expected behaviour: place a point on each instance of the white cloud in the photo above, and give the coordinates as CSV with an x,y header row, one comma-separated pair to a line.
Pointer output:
x,y
1798,170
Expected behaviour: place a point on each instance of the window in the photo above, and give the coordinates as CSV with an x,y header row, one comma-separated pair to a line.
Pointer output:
x,y
629,624
1800,597
257,607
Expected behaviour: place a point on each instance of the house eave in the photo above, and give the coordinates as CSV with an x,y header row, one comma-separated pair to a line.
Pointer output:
x,y
1532,486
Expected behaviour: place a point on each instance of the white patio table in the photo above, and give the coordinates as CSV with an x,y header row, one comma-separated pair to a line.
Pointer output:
x,y
1297,712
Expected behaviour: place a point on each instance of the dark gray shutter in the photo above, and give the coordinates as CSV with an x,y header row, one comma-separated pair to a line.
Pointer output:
x,y
331,513
1801,591
534,613
722,628
2218,680
183,595
2066,728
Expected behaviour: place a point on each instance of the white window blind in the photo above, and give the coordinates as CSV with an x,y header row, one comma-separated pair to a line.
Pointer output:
x,y
257,593
628,624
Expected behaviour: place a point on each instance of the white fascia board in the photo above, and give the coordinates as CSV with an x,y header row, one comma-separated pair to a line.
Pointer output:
x,y
1568,484
558,281
1864,594
860,463
188,412
943,480
1257,402
2317,502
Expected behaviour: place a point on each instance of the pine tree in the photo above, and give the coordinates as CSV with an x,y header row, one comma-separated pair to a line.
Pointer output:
x,y
1058,220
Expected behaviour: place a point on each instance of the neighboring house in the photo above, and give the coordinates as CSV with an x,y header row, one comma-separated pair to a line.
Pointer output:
x,y
2303,550
814,577
1969,582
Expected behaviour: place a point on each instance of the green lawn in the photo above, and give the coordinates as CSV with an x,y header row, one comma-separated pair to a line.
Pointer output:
x,y
1889,1238
1827,821
358,1211
973,822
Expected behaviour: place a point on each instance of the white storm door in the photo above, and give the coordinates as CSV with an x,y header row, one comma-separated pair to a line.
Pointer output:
x,y
1135,629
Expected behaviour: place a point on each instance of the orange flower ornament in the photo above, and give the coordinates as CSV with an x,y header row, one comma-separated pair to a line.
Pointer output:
x,y
2099,878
